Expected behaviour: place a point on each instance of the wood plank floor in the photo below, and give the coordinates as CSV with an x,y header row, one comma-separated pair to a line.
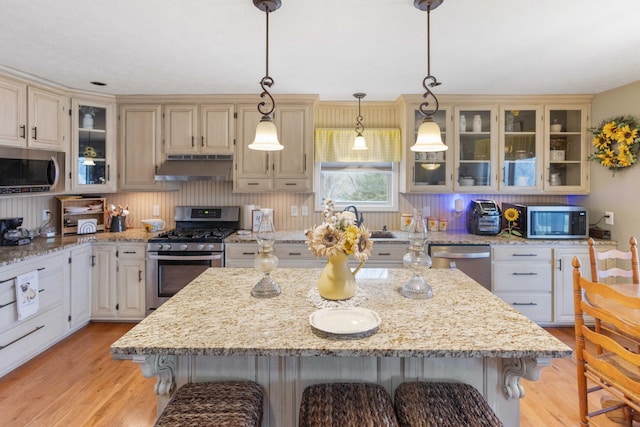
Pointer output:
x,y
76,383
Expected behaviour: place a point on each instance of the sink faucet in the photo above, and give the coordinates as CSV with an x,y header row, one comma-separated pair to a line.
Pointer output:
x,y
359,219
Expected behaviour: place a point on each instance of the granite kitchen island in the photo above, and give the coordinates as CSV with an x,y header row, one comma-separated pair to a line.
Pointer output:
x,y
214,329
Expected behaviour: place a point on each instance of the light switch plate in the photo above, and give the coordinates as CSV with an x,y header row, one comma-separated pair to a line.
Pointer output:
x,y
294,211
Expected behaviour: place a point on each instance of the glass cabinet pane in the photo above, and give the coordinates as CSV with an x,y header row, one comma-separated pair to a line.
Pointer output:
x,y
92,145
430,168
520,154
474,161
565,148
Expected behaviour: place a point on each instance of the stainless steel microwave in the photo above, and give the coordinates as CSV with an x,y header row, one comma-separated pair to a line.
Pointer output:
x,y
549,221
25,171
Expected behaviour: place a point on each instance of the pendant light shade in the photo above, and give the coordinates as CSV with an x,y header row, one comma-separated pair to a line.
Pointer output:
x,y
359,143
429,138
266,133
88,161
266,136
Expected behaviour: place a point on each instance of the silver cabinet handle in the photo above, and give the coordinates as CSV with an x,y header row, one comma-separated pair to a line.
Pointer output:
x,y
524,303
2,347
524,274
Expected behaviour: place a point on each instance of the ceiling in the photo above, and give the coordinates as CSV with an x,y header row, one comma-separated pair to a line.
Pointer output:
x,y
330,47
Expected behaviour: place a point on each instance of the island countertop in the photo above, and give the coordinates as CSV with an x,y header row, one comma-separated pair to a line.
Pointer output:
x,y
216,315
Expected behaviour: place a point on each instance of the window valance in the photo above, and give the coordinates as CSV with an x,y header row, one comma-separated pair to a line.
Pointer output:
x,y
334,145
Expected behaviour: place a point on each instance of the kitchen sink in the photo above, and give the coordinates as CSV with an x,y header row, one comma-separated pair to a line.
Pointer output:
x,y
382,234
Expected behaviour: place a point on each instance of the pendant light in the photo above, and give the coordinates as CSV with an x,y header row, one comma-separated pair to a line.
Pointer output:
x,y
429,137
359,143
266,133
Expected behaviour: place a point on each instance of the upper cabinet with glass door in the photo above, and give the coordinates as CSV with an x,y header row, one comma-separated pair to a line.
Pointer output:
x,y
93,166
565,142
430,172
475,154
521,149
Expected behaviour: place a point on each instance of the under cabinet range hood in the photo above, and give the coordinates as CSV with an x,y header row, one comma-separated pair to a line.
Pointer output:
x,y
203,167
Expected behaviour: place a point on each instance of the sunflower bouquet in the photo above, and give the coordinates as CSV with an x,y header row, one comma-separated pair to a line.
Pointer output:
x,y
616,142
511,215
339,233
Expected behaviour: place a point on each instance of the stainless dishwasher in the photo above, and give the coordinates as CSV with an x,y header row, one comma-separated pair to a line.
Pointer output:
x,y
472,260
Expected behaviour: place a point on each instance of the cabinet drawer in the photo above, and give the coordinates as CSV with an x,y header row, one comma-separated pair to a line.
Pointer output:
x,y
30,337
536,306
292,185
295,251
521,253
51,279
131,252
519,277
244,250
255,184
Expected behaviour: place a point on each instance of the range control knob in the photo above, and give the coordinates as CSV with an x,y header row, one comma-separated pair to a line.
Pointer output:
x,y
157,247
210,247
166,246
183,247
200,247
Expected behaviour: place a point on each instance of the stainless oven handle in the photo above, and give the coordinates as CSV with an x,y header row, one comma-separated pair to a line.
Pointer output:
x,y
184,258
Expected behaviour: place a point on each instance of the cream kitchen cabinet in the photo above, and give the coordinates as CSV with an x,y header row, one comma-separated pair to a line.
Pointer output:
x,y
288,170
118,288
20,340
32,116
93,166
563,279
81,261
522,277
520,152
511,148
427,172
198,129
566,170
140,130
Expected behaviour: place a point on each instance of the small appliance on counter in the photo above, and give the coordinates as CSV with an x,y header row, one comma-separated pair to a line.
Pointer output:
x,y
550,220
483,217
11,234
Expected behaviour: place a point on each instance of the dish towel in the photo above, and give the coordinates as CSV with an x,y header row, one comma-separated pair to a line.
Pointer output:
x,y
27,295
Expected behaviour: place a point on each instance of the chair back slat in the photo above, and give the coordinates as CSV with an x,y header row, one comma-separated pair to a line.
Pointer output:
x,y
607,264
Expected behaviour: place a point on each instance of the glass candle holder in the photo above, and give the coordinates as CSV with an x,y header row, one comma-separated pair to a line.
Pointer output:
x,y
266,261
417,260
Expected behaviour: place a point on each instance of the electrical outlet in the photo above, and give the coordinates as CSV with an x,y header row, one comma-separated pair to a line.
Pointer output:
x,y
305,210
46,214
608,218
156,210
294,211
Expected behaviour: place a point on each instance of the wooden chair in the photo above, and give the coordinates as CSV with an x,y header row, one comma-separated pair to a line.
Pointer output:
x,y
605,265
615,368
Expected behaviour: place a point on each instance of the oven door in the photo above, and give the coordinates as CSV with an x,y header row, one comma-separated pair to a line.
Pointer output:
x,y
169,272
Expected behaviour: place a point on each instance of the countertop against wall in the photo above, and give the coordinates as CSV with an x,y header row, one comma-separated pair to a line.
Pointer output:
x,y
42,246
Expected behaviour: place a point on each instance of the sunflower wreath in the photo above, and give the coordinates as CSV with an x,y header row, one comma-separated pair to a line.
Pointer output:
x,y
616,142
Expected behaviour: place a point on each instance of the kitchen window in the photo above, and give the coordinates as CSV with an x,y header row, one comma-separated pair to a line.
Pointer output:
x,y
368,179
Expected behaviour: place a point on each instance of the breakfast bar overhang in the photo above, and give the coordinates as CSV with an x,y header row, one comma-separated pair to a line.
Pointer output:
x,y
215,330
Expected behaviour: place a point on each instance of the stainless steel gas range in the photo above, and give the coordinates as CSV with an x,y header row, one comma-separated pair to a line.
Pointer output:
x,y
178,256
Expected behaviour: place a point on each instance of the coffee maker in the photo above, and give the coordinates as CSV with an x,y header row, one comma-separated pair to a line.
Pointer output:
x,y
11,234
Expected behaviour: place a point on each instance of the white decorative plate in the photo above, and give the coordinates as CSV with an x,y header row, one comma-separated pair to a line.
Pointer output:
x,y
345,320
77,209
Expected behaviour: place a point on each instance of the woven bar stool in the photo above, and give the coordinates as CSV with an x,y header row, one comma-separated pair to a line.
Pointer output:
x,y
224,403
427,404
346,405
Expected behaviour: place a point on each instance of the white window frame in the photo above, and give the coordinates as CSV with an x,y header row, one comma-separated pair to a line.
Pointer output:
x,y
391,206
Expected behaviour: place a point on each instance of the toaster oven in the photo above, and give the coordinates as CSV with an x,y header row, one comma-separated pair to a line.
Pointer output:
x,y
483,217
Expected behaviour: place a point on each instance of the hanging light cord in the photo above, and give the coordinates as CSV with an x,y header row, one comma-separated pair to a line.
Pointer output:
x,y
359,125
266,81
429,81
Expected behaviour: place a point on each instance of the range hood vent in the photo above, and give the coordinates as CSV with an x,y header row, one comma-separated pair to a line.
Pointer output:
x,y
195,167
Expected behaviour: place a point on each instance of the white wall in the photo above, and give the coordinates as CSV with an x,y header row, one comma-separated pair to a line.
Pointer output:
x,y
619,192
